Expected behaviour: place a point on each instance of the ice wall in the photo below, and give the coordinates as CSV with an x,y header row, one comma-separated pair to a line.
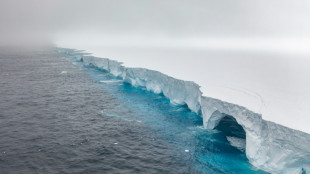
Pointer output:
x,y
269,146
178,91
111,66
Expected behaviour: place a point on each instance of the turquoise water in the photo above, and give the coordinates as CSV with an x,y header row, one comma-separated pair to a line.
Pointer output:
x,y
59,117
207,151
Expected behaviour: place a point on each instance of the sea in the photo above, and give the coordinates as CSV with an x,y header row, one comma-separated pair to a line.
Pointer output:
x,y
60,117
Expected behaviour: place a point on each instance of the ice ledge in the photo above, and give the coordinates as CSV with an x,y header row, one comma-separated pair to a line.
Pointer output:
x,y
269,146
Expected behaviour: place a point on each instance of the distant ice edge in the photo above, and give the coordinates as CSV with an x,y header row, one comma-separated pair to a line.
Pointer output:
x,y
269,146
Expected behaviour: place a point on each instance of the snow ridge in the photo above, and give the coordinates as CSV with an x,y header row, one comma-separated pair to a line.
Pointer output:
x,y
269,146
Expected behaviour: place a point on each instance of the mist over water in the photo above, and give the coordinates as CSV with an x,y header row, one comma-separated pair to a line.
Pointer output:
x,y
60,117
252,53
224,24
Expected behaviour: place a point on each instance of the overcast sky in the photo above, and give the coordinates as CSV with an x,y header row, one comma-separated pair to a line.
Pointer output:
x,y
143,22
254,53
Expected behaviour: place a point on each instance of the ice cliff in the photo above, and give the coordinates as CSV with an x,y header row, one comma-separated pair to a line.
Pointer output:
x,y
269,146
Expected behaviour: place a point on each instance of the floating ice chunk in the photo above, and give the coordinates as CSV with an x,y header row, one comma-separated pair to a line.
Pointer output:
x,y
239,143
186,150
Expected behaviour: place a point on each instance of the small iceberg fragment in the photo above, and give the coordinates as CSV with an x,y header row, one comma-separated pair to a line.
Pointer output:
x,y
239,143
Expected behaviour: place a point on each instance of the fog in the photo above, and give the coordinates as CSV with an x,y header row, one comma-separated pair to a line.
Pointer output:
x,y
150,23
250,52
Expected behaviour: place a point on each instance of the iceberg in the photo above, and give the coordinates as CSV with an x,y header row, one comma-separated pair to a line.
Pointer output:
x,y
268,146
113,67
178,91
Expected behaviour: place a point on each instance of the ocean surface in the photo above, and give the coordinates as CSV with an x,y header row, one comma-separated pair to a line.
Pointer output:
x,y
57,116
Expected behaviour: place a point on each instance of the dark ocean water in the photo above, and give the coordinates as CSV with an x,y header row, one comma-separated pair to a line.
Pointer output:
x,y
57,116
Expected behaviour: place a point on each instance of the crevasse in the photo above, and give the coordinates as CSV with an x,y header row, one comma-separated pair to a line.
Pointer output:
x,y
269,146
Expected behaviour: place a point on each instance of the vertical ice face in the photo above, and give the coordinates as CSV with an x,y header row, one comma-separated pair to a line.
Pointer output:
x,y
214,110
269,146
178,91
111,66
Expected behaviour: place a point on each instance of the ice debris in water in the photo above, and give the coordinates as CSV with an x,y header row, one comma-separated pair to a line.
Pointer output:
x,y
239,143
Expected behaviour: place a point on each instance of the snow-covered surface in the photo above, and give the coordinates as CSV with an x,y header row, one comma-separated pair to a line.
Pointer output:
x,y
269,146
272,84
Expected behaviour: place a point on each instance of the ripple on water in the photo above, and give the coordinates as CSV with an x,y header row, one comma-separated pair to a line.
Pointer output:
x,y
56,122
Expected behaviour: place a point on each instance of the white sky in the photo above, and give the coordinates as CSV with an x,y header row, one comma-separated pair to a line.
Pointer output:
x,y
241,51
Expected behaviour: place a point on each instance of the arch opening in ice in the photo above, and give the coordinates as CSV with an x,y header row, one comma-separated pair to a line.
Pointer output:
x,y
234,132
269,146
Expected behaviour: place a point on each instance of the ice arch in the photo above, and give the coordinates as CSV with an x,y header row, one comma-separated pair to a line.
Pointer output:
x,y
233,132
230,127
269,146
213,111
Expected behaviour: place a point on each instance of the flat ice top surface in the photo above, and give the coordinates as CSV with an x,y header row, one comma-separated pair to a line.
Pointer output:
x,y
275,85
